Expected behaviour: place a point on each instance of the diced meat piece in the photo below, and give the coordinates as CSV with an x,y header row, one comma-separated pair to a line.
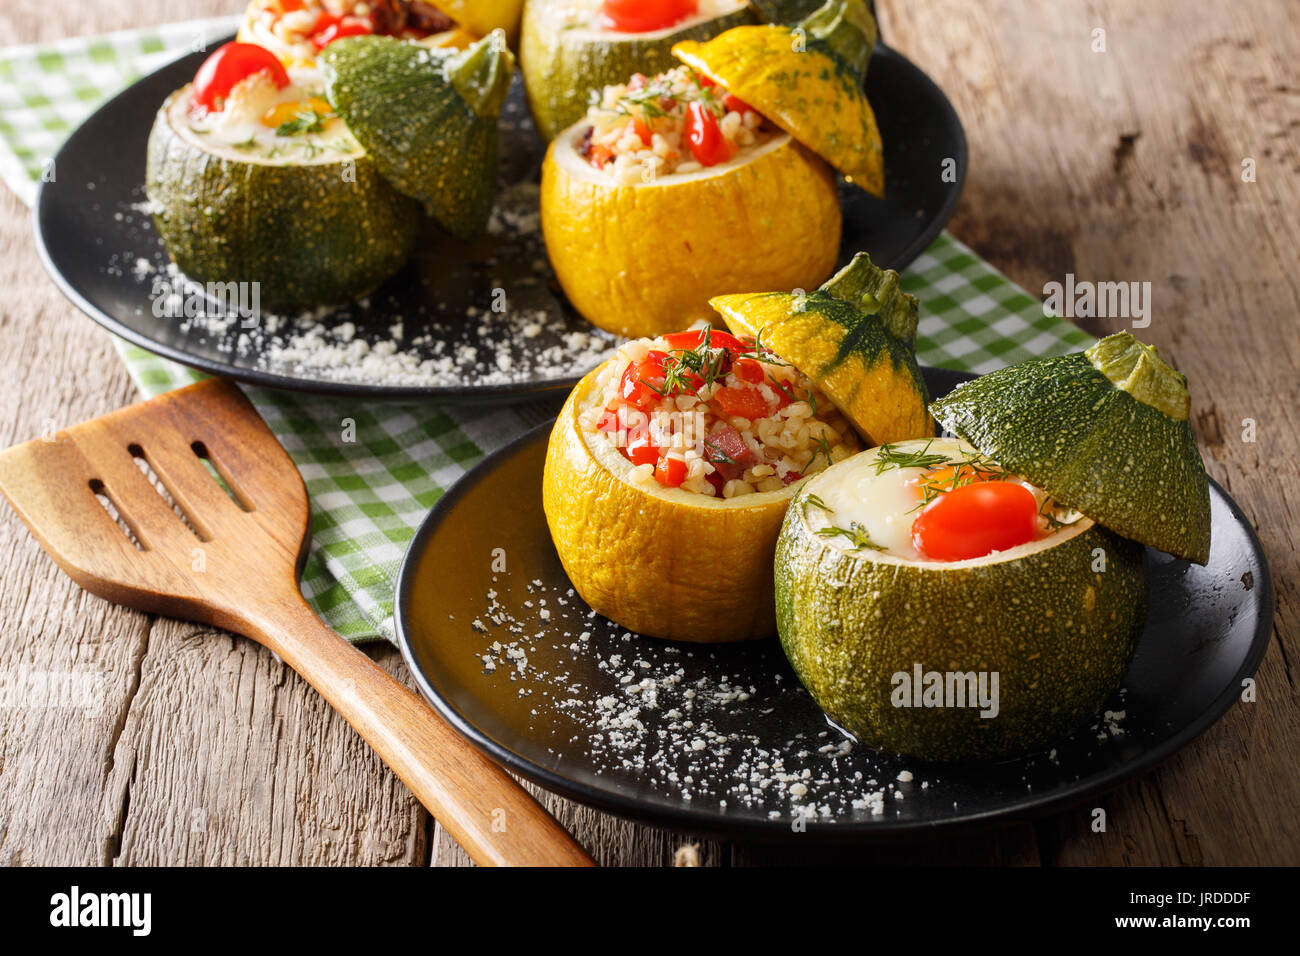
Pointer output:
x,y
724,444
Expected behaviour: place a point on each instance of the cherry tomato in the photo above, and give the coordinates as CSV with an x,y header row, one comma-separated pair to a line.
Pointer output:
x,y
745,402
976,519
670,472
230,64
345,27
642,16
749,370
708,145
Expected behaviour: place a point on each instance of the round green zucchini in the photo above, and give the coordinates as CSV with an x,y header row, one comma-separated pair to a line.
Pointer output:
x,y
321,231
1056,620
563,63
1105,431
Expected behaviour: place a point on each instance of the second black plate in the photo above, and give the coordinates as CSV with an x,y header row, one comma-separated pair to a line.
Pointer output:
x,y
102,250
724,739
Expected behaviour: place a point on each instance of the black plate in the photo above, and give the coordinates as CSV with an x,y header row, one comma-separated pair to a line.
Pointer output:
x,y
90,234
1206,632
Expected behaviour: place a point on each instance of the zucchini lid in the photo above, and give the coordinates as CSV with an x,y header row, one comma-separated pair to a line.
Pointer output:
x,y
427,118
855,337
1104,431
807,79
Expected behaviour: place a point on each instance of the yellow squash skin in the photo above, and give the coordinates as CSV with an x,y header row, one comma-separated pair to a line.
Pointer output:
x,y
806,92
481,17
644,259
662,561
876,383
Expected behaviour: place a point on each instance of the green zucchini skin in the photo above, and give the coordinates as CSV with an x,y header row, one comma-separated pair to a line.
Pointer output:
x,y
560,70
305,233
1061,424
427,118
1060,635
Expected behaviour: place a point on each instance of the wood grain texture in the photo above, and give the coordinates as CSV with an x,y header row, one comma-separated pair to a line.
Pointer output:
x,y
1116,165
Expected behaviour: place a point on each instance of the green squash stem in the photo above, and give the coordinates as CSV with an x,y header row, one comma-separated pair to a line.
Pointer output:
x,y
876,292
481,73
845,29
1138,369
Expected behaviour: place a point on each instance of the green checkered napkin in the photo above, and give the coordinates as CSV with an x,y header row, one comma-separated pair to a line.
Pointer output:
x,y
368,495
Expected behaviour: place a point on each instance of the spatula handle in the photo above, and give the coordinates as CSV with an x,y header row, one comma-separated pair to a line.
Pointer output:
x,y
487,812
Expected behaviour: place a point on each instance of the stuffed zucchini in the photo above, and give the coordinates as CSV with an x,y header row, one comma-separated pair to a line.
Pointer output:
x,y
254,178
669,471
568,48
675,188
937,605
297,30
1013,551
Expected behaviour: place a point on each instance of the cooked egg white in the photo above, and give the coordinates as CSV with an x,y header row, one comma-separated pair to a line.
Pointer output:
x,y
884,504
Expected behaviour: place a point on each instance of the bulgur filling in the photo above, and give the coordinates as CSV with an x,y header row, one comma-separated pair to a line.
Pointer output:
x,y
676,122
305,27
719,416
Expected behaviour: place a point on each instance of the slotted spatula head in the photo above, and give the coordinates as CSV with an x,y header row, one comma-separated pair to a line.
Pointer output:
x,y
236,525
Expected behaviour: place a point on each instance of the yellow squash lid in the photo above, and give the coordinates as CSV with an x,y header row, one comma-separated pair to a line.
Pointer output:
x,y
807,79
855,337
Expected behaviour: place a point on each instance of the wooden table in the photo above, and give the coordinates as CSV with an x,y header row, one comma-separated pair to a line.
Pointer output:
x,y
1116,165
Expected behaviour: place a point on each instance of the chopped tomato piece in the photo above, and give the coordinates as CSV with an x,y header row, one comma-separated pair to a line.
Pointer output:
x,y
599,155
639,449
736,105
976,519
790,477
706,81
635,385
642,16
228,66
693,338
637,125
608,421
745,402
670,472
708,145
749,370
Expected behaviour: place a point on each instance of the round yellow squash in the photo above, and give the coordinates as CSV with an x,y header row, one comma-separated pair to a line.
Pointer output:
x,y
643,259
657,560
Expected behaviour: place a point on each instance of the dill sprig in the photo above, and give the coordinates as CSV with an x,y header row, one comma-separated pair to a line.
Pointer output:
x,y
306,120
891,456
855,532
815,502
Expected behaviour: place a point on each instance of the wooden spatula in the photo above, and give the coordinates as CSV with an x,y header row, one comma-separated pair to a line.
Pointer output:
x,y
233,561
